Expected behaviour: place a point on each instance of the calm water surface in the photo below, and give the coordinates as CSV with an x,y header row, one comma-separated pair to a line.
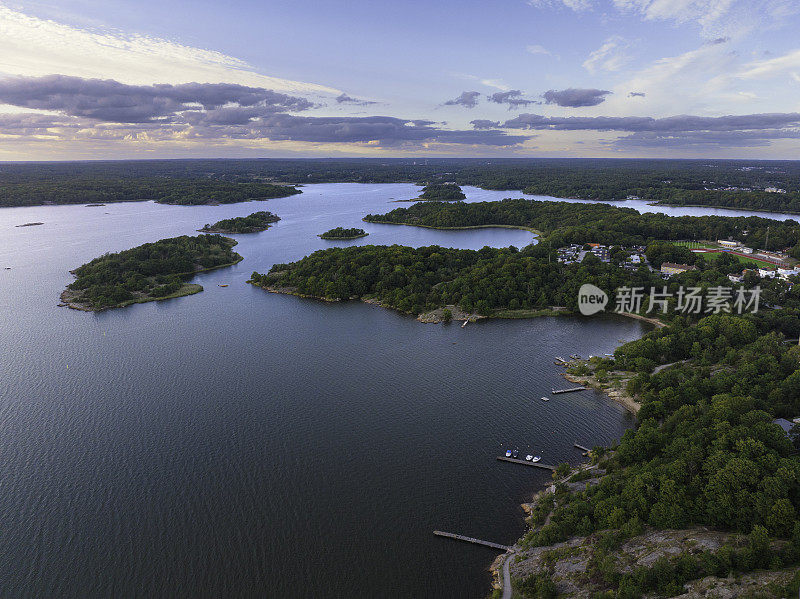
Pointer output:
x,y
241,443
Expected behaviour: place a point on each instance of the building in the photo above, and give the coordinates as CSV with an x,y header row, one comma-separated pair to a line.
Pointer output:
x,y
670,268
786,425
728,244
746,250
765,273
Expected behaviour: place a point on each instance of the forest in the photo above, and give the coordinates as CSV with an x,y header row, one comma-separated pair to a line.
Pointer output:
x,y
729,183
83,190
253,223
342,233
569,222
445,192
150,271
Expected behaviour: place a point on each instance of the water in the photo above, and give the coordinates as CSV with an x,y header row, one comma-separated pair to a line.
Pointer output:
x,y
241,443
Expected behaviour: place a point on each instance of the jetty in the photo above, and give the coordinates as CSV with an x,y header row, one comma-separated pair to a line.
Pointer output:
x,y
581,447
557,391
451,535
503,458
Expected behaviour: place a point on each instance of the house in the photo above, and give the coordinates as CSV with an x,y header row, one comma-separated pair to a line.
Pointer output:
x,y
786,425
670,268
746,250
766,273
785,273
736,278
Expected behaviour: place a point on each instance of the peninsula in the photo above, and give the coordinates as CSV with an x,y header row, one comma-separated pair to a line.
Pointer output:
x,y
443,192
341,233
149,272
254,223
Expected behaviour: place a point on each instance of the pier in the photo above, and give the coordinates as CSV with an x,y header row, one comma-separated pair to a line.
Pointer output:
x,y
503,458
451,535
557,391
581,447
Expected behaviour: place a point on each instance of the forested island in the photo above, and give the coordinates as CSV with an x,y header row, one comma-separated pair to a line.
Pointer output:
x,y
152,271
751,184
253,223
567,222
342,233
444,192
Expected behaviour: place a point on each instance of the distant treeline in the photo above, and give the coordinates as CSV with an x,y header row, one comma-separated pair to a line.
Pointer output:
x,y
683,182
258,221
81,190
149,271
569,222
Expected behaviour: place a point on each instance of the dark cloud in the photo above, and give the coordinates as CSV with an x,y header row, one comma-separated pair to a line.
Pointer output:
x,y
386,131
466,99
345,99
637,95
718,41
484,124
108,100
689,139
667,124
513,98
575,98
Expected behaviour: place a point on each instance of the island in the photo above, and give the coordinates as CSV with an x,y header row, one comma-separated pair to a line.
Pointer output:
x,y
255,222
153,271
341,233
446,192
30,225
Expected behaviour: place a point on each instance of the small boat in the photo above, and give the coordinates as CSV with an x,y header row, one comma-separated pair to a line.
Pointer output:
x,y
515,454
222,285
545,398
538,458
528,458
508,453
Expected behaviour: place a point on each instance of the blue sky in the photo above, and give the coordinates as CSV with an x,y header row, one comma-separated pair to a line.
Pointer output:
x,y
627,78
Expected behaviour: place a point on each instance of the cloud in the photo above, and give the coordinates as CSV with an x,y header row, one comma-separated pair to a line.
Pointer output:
x,y
484,124
575,98
711,139
466,99
610,56
511,97
35,47
345,99
771,67
537,49
109,100
576,5
637,95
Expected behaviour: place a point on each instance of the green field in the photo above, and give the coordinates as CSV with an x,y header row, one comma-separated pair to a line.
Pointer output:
x,y
710,257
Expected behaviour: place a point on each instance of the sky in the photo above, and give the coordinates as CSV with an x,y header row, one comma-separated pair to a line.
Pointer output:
x,y
106,79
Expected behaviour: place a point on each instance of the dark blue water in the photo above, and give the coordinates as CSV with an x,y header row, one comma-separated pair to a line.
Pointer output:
x,y
241,443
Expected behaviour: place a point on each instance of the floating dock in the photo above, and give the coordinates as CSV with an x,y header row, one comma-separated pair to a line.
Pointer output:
x,y
503,458
451,535
557,391
581,447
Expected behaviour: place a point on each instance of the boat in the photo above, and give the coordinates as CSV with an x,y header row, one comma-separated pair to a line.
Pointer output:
x,y
545,398
508,453
528,458
515,454
222,285
538,458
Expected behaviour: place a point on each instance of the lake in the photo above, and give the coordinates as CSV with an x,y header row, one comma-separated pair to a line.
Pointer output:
x,y
242,443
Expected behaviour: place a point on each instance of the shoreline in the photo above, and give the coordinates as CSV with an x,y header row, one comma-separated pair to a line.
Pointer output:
x,y
715,207
321,236
536,232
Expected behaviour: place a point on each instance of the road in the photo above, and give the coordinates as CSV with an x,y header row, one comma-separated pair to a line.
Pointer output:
x,y
507,577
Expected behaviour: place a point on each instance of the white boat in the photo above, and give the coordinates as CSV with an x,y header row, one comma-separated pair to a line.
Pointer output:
x,y
508,453
528,458
545,398
538,458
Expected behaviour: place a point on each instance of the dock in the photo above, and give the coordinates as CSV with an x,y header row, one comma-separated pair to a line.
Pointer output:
x,y
451,535
557,391
581,447
503,458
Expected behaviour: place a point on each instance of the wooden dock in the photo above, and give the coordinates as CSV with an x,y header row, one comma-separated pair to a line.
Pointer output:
x,y
557,391
451,535
581,447
503,458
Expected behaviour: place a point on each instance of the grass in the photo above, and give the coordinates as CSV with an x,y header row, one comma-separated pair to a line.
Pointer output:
x,y
717,250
